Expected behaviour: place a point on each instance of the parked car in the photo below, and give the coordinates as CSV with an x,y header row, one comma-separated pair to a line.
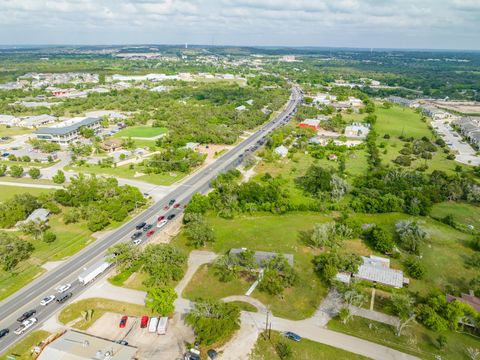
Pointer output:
x,y
162,223
176,206
64,297
136,235
160,218
150,233
26,315
292,336
171,216
152,326
122,342
171,202
137,241
123,322
47,300
144,322
4,332
64,288
147,227
140,226
212,354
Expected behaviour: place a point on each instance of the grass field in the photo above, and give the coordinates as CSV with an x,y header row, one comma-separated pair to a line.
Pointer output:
x,y
27,180
23,348
415,340
7,191
11,131
268,233
99,306
140,131
463,213
127,173
303,350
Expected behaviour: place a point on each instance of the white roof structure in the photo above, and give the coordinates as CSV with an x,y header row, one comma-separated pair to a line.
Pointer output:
x,y
38,120
191,145
37,216
8,120
357,130
241,108
74,345
281,150
377,269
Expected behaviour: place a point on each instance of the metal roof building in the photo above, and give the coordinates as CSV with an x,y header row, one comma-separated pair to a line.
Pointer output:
x,y
74,345
263,256
377,269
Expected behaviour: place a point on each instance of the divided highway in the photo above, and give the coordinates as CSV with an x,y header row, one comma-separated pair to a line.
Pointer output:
x,y
30,296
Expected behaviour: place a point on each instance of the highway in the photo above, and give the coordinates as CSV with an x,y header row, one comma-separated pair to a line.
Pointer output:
x,y
30,296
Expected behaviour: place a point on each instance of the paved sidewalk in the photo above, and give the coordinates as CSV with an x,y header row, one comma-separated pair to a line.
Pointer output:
x,y
375,316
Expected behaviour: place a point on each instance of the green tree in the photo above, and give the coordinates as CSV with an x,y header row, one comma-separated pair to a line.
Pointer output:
x,y
164,263
34,173
283,350
49,236
380,239
415,268
278,275
410,234
213,320
198,231
16,171
3,170
87,133
161,300
402,306
13,250
59,177
36,228
124,255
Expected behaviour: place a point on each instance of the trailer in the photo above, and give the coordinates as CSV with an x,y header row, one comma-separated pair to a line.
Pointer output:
x,y
93,271
162,325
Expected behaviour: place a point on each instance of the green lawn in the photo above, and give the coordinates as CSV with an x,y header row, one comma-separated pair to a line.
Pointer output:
x,y
303,350
127,173
140,131
11,131
22,349
463,213
24,164
415,340
27,180
99,306
7,191
278,233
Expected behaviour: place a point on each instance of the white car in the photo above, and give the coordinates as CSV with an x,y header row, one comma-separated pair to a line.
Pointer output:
x,y
64,288
137,241
47,300
27,324
162,223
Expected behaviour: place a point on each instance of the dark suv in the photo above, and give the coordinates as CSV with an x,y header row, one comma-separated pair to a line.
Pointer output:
x,y
64,297
141,225
4,332
136,235
26,315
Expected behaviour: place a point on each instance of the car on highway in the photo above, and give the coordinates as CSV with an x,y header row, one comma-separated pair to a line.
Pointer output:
x,y
147,227
162,223
123,322
292,336
137,241
47,300
160,218
4,332
140,226
64,297
176,206
26,315
144,322
150,233
171,202
27,324
136,235
122,342
63,288
170,217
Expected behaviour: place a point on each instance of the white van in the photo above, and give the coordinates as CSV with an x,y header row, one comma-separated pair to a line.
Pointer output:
x,y
162,325
152,326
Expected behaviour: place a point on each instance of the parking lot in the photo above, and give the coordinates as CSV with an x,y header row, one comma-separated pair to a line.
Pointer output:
x,y
150,345
464,152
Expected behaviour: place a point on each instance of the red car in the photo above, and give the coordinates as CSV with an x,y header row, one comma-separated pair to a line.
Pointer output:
x,y
123,322
160,218
176,206
144,322
166,207
150,233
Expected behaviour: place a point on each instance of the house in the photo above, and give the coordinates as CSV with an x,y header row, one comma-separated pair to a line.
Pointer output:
x,y
281,150
75,345
357,130
353,101
8,120
241,108
68,131
191,145
261,257
468,299
310,123
323,99
401,101
376,269
32,122
111,145
249,102
38,215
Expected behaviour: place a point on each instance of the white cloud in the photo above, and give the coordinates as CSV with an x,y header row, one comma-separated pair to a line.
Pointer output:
x,y
362,23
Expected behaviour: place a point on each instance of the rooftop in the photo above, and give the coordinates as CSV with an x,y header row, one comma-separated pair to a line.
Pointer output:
x,y
64,130
262,256
377,269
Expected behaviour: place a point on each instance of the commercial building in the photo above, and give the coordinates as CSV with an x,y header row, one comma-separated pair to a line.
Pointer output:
x,y
32,122
68,131
310,123
8,120
74,345
357,130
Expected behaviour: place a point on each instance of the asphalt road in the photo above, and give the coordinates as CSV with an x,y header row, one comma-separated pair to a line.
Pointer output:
x,y
30,296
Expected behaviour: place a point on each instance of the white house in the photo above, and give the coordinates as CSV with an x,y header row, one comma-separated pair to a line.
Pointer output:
x,y
281,150
357,130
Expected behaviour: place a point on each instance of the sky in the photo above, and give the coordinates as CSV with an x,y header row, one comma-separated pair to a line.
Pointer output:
x,y
426,24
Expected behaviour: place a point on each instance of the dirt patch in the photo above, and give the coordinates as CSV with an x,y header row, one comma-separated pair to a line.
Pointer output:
x,y
212,152
52,265
170,230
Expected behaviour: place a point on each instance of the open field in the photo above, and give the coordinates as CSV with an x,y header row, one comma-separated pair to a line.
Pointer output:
x,y
27,180
99,306
303,350
140,131
22,349
415,340
462,213
11,131
7,191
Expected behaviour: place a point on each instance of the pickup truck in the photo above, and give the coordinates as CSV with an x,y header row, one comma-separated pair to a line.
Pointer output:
x,y
27,324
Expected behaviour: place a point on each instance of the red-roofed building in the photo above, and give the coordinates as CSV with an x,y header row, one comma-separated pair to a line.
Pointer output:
x,y
310,123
